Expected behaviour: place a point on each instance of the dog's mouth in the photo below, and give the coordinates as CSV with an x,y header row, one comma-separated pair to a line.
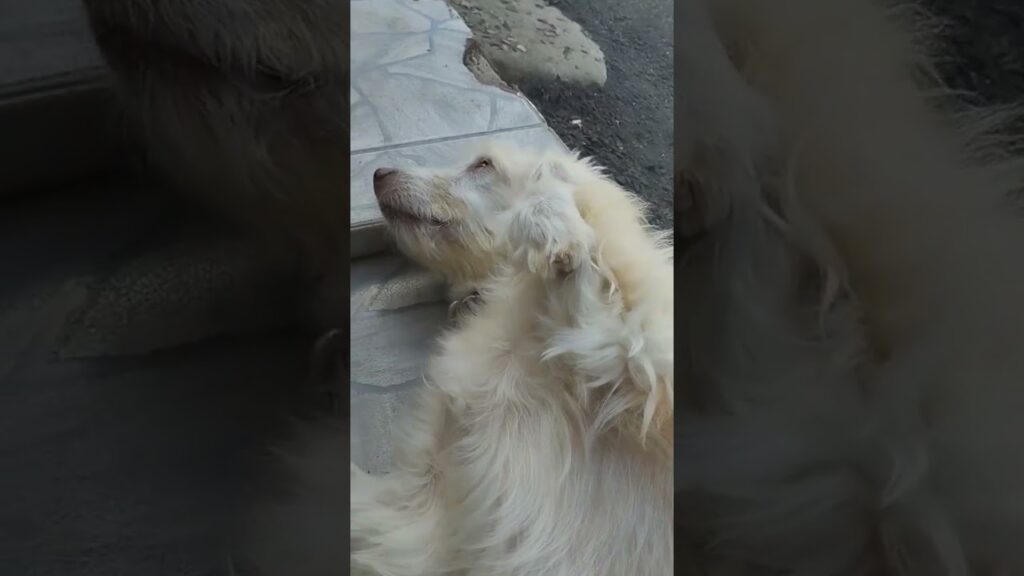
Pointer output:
x,y
392,189
402,215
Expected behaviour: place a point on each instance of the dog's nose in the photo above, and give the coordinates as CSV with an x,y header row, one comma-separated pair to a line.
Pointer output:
x,y
382,173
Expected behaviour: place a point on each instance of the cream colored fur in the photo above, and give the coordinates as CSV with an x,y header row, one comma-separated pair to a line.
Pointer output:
x,y
856,381
541,444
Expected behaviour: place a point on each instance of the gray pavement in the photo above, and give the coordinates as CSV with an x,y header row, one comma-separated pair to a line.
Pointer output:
x,y
117,459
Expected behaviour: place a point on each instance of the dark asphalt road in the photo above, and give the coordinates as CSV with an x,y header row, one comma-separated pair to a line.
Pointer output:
x,y
984,48
627,124
983,55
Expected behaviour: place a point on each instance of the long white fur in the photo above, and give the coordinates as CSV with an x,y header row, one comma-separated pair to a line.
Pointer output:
x,y
864,418
542,442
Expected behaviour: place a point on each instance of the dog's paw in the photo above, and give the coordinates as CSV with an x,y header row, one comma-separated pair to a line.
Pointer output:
x,y
547,234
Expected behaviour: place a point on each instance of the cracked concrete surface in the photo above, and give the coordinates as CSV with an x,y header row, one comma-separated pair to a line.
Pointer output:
x,y
419,91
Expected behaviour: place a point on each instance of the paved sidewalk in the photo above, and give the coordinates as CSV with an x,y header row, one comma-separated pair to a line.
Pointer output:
x,y
413,102
57,121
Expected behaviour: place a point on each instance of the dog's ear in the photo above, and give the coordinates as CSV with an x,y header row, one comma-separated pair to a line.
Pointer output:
x,y
553,170
546,233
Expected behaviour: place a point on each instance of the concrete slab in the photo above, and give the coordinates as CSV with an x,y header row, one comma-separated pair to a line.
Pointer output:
x,y
45,42
57,119
413,100
373,413
409,83
398,310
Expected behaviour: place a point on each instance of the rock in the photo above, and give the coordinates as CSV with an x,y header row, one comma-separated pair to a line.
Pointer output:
x,y
538,43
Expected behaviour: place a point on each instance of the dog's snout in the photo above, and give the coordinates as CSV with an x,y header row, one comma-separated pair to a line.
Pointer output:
x,y
382,180
382,173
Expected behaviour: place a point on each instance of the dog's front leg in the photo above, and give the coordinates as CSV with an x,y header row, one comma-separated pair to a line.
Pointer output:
x,y
547,235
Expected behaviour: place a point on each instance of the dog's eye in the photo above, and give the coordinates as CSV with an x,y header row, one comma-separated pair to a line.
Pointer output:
x,y
481,164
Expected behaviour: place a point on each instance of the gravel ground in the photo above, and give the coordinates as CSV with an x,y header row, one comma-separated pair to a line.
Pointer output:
x,y
627,124
985,41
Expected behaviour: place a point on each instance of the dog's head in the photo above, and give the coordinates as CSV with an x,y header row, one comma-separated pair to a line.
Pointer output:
x,y
506,203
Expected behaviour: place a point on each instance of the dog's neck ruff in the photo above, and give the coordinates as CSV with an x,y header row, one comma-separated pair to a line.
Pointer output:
x,y
462,306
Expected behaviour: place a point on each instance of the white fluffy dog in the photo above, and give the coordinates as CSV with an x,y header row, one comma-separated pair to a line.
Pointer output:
x,y
855,383
542,441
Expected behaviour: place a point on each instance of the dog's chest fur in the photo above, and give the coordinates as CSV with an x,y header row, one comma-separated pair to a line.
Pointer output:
x,y
526,492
